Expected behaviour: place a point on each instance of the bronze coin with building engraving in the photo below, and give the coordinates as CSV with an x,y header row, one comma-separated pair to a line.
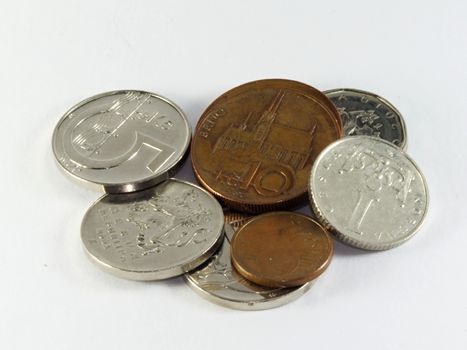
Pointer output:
x,y
254,146
281,249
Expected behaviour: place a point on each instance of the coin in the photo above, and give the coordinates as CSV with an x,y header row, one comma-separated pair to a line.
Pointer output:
x,y
153,234
281,249
221,284
254,146
121,141
365,113
368,192
235,219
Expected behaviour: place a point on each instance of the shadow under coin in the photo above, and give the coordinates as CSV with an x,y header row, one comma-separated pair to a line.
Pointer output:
x,y
342,249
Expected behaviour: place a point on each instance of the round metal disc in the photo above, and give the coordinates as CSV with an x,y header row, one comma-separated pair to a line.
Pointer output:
x,y
368,192
281,249
221,284
253,147
154,234
365,113
121,141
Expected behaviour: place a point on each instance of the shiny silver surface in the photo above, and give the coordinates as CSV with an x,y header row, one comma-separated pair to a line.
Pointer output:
x,y
218,282
154,234
365,113
121,141
368,192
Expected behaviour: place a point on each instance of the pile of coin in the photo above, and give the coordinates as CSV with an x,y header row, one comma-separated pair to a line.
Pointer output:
x,y
258,150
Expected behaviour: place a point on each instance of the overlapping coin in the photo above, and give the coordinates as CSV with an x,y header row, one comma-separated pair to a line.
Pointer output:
x,y
220,283
254,146
365,113
281,249
153,234
368,192
121,141
259,147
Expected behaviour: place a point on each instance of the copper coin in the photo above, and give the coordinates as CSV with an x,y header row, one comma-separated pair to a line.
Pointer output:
x,y
254,146
281,249
235,219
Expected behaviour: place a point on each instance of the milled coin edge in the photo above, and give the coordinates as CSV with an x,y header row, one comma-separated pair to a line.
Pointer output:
x,y
341,236
114,188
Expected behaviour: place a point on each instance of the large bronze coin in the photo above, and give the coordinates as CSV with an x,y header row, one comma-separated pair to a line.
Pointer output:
x,y
254,146
281,249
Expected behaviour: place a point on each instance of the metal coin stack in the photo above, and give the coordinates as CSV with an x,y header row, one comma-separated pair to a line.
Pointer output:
x,y
257,150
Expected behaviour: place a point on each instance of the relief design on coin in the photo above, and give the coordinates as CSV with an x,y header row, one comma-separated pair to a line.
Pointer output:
x,y
364,113
219,282
368,192
253,147
152,234
121,141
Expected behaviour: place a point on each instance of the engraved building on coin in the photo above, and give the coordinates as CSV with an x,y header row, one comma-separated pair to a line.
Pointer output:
x,y
121,141
368,192
158,233
254,146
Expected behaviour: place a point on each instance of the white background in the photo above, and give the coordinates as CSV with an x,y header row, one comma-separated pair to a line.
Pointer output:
x,y
55,53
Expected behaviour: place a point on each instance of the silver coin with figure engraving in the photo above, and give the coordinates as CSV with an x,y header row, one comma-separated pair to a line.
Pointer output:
x,y
153,234
365,113
122,141
219,283
368,192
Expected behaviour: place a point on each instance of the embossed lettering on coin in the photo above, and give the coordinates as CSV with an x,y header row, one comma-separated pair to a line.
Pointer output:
x,y
364,113
157,233
121,141
254,146
369,192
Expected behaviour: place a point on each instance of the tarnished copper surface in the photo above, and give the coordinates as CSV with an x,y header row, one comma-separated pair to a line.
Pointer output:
x,y
235,219
254,146
281,249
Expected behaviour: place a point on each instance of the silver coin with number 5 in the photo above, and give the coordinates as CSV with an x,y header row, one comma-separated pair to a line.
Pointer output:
x,y
121,141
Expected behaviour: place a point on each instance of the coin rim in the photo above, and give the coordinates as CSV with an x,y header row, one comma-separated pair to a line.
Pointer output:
x,y
244,305
115,187
383,100
342,236
236,304
161,273
258,206
271,282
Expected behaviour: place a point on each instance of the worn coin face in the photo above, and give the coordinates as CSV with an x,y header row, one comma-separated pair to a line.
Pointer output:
x,y
364,113
368,192
158,233
220,283
281,249
254,146
121,141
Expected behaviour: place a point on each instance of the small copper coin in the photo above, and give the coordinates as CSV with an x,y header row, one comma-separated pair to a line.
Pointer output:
x,y
254,146
281,249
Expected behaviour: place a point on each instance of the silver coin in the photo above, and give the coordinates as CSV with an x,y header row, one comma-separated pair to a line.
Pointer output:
x,y
219,283
368,192
154,234
121,141
364,113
